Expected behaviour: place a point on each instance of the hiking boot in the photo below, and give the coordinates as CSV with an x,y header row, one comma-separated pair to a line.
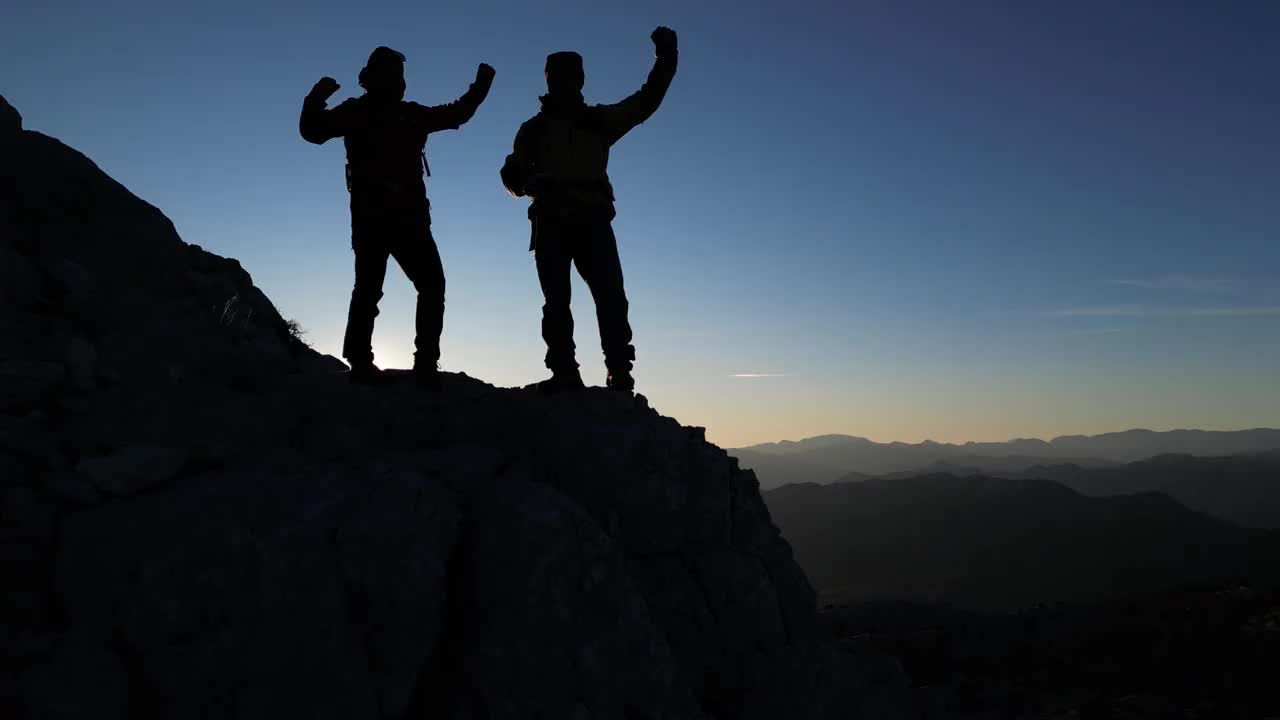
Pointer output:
x,y
365,374
427,377
621,381
565,381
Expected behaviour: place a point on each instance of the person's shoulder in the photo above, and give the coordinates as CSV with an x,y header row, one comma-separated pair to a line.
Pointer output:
x,y
349,105
594,115
532,123
598,109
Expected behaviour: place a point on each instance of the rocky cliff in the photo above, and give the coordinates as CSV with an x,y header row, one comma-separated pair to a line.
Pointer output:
x,y
201,518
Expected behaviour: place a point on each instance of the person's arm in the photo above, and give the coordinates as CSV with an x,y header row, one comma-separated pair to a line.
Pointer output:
x,y
621,117
317,123
519,169
455,114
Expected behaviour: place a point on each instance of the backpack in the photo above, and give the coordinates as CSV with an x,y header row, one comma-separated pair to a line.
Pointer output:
x,y
377,144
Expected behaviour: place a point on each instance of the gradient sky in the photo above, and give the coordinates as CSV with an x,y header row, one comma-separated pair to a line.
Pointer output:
x,y
900,219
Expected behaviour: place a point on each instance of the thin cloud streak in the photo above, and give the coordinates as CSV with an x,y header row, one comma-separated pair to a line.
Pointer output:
x,y
1087,333
755,376
1185,283
1137,311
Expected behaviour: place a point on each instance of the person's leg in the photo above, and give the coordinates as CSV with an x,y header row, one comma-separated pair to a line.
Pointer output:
x,y
598,262
553,258
370,269
419,258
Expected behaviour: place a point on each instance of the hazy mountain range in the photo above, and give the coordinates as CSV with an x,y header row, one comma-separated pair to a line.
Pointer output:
x,y
829,458
999,544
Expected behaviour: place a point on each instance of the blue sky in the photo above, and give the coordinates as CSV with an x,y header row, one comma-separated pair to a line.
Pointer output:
x,y
903,220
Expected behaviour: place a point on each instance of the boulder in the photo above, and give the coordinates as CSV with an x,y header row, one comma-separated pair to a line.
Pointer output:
x,y
133,469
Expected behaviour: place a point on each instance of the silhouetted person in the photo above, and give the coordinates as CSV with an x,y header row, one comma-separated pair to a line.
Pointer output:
x,y
561,160
385,138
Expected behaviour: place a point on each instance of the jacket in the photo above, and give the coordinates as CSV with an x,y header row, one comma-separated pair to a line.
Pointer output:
x,y
560,157
385,140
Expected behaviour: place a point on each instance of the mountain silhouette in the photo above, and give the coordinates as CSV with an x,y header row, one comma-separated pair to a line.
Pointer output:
x,y
829,458
1001,544
1244,489
202,518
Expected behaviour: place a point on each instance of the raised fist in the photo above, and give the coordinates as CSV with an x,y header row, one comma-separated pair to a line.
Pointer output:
x,y
664,40
325,88
485,72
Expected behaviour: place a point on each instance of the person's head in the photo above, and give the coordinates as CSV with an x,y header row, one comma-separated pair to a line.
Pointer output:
x,y
383,75
564,73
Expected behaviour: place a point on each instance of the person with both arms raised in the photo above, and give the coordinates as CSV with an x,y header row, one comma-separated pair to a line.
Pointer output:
x,y
385,137
560,160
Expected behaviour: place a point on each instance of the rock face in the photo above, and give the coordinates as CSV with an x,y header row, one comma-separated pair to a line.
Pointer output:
x,y
200,518
10,118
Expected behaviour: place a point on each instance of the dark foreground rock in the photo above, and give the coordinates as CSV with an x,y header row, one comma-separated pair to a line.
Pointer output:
x,y
199,517
1192,652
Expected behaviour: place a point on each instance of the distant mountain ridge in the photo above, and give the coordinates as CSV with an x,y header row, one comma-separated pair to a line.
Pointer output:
x,y
828,458
999,544
1138,442
1243,488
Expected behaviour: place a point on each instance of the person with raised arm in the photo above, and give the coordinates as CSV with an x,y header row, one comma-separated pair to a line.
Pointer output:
x,y
385,138
560,160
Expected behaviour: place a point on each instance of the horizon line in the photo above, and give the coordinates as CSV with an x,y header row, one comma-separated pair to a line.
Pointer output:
x,y
1009,440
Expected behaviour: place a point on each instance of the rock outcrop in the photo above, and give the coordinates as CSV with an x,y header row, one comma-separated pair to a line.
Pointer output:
x,y
10,118
200,517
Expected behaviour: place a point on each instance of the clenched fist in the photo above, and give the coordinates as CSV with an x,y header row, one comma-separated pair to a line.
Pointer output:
x,y
664,40
485,73
325,88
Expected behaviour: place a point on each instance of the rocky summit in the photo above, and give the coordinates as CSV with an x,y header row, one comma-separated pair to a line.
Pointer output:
x,y
200,517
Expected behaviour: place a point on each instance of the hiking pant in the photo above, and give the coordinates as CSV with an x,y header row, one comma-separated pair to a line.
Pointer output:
x,y
589,244
404,234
